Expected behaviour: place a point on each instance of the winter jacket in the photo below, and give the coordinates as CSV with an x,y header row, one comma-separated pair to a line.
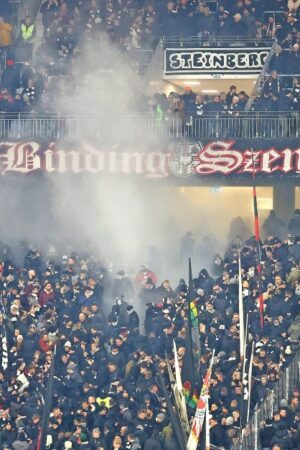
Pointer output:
x,y
153,444
5,34
294,329
282,438
20,445
45,297
266,435
294,275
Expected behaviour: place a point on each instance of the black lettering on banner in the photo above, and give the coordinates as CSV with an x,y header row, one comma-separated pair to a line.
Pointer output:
x,y
207,62
242,60
175,61
198,60
253,60
215,61
231,61
263,57
186,61
218,60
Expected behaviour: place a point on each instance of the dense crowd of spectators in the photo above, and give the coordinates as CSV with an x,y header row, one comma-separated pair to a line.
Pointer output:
x,y
191,104
277,431
274,98
106,392
134,25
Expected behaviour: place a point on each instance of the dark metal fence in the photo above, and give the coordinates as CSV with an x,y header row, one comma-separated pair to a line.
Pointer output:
x,y
212,41
290,377
56,126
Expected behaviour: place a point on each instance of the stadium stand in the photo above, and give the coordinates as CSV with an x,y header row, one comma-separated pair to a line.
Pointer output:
x,y
134,26
105,387
106,391
279,430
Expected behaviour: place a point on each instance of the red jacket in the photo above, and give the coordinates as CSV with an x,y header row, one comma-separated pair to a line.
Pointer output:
x,y
44,346
142,277
45,297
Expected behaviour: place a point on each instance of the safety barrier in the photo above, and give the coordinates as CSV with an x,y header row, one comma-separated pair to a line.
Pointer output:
x,y
213,41
250,440
56,126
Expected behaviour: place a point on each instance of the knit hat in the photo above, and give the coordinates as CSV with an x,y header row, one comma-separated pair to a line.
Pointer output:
x,y
283,403
228,421
160,417
83,437
288,350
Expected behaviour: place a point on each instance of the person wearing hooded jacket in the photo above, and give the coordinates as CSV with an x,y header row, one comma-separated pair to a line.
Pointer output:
x,y
122,287
204,281
21,442
133,318
282,438
294,223
7,435
275,305
266,434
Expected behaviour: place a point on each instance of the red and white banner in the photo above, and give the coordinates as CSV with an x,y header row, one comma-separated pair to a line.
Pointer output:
x,y
215,158
202,408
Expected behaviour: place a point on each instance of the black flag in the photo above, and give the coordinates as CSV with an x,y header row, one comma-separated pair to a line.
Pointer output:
x,y
188,368
173,413
41,445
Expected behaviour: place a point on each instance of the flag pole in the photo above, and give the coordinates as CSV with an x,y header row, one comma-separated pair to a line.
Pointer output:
x,y
207,430
188,372
42,438
257,239
246,331
241,312
4,339
197,424
174,417
177,387
249,381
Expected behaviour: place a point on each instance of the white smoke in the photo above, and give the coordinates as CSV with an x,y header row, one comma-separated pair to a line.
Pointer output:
x,y
118,218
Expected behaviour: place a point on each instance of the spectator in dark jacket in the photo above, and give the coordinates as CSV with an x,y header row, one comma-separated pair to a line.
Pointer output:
x,y
266,434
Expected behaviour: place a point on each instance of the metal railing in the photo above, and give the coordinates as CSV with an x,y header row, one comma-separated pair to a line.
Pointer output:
x,y
142,59
24,8
287,80
261,78
250,439
29,8
275,14
215,41
108,128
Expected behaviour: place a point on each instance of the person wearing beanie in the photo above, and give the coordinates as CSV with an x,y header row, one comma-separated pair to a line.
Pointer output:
x,y
229,421
21,442
266,434
133,319
282,438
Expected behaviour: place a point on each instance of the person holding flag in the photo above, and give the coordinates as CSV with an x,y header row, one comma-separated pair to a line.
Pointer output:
x,y
202,409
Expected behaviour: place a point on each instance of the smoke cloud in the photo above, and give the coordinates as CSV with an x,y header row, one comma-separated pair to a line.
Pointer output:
x,y
126,220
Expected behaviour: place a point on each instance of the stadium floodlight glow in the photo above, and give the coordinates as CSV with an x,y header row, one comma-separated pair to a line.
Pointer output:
x,y
191,83
210,91
215,189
